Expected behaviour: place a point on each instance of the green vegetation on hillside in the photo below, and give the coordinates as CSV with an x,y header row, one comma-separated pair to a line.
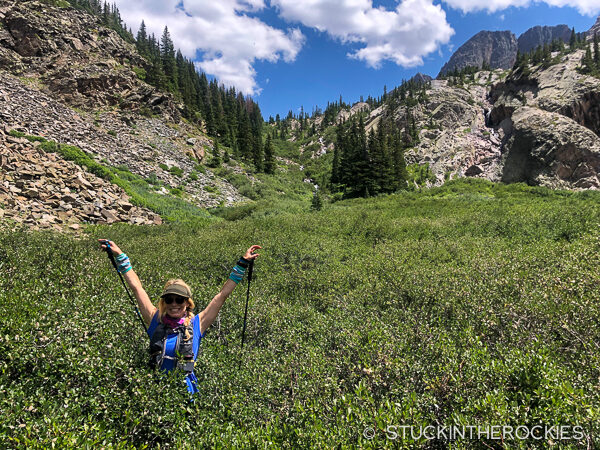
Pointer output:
x,y
472,303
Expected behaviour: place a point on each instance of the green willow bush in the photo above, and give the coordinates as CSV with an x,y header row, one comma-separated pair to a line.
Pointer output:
x,y
472,304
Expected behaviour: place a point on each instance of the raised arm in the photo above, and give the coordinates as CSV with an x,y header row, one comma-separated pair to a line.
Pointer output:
x,y
208,316
144,304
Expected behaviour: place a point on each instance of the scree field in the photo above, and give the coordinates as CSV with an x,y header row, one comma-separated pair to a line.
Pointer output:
x,y
471,304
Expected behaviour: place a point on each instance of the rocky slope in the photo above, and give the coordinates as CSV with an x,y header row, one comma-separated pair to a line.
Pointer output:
x,y
497,49
42,190
65,77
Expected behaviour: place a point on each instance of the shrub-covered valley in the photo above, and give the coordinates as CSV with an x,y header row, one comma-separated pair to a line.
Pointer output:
x,y
429,257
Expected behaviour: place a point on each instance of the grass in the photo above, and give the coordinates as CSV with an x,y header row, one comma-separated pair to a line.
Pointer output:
x,y
472,303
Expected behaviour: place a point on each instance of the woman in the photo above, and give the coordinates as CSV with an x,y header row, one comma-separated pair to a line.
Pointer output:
x,y
174,331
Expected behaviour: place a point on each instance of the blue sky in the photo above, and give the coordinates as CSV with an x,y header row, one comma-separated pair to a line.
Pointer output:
x,y
293,53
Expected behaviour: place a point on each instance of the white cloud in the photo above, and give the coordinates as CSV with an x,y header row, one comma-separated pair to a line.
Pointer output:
x,y
404,35
229,40
587,7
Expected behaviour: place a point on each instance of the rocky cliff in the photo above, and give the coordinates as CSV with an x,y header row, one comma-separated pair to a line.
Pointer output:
x,y
595,29
536,36
497,49
549,120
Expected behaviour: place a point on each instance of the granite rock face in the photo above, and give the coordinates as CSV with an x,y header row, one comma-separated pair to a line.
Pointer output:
x,y
549,121
593,30
536,36
545,148
498,49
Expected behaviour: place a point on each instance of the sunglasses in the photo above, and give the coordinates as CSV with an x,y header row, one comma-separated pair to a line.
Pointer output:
x,y
174,298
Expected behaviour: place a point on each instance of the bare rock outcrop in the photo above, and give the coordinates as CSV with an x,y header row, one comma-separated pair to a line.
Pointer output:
x,y
549,121
550,149
497,49
455,139
595,29
540,35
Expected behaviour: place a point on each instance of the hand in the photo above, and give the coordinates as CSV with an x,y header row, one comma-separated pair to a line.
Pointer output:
x,y
250,255
114,248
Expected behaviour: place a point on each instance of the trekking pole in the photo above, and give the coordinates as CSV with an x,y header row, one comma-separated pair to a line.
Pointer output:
x,y
246,310
133,302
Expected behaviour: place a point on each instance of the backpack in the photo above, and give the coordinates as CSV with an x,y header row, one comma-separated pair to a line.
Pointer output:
x,y
170,349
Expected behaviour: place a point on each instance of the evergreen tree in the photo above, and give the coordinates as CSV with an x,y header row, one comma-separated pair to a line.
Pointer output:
x,y
269,158
317,201
216,159
573,40
587,61
142,40
400,172
244,139
169,64
258,154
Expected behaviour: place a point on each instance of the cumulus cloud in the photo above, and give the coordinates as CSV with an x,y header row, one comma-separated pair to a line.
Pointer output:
x,y
587,7
220,35
404,35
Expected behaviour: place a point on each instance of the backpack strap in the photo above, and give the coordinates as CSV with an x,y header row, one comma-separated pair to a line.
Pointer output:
x,y
168,359
153,324
197,335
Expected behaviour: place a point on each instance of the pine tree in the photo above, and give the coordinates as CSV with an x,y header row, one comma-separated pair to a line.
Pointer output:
x,y
269,158
587,61
244,137
216,159
317,201
258,154
142,40
573,40
167,56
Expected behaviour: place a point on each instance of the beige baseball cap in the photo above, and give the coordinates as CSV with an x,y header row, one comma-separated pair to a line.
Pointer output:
x,y
177,288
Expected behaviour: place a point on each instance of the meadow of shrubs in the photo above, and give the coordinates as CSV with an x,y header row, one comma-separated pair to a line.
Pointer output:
x,y
469,304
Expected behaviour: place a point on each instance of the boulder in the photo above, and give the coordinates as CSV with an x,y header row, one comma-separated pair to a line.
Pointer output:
x,y
550,149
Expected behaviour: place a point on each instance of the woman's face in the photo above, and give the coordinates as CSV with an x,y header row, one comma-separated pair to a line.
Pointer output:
x,y
174,309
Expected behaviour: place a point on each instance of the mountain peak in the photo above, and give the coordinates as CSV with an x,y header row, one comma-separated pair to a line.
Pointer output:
x,y
540,35
498,49
595,29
